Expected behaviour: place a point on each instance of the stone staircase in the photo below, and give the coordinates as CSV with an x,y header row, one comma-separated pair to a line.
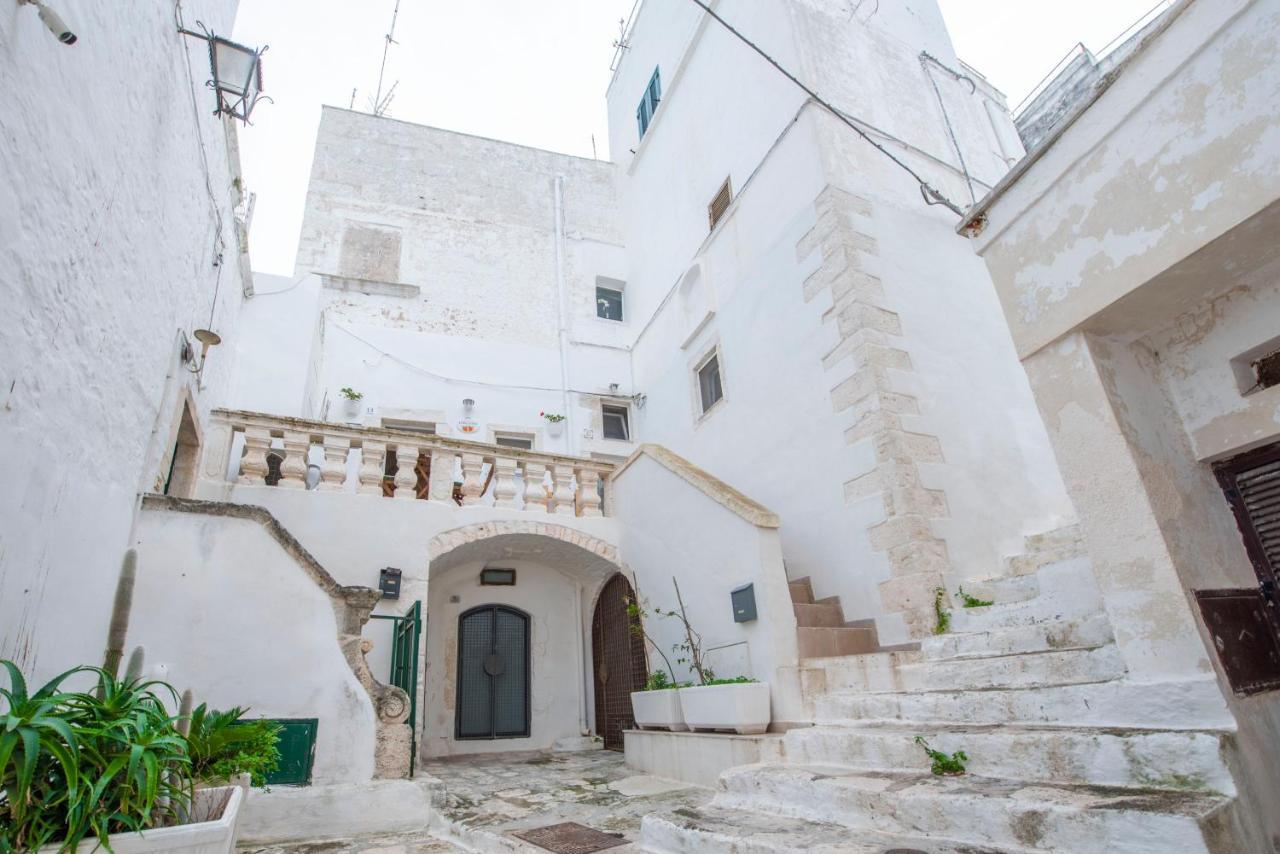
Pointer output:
x,y
1065,754
821,628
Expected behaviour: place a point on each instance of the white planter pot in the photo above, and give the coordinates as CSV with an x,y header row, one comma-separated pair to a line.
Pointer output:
x,y
555,429
741,707
350,409
658,710
205,837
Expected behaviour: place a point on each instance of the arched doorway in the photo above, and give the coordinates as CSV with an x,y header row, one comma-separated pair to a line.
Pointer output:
x,y
493,673
617,649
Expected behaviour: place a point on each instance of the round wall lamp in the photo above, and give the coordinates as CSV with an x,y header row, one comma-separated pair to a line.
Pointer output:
x,y
207,339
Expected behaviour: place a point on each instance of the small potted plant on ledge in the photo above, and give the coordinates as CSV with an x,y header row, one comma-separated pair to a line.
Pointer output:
x,y
107,769
657,706
555,423
740,704
351,403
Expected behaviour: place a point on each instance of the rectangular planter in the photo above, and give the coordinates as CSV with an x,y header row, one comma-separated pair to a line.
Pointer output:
x,y
742,707
206,837
658,710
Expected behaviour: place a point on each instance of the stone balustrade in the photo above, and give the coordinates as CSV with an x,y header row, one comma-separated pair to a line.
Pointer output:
x,y
294,453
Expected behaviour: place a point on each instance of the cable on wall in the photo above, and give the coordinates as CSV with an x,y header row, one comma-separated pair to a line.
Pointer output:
x,y
931,194
925,61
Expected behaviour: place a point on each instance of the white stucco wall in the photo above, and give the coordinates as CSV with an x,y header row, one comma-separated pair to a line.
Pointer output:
x,y
223,610
108,243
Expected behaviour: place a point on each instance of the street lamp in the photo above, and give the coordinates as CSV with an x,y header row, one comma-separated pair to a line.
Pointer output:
x,y
237,73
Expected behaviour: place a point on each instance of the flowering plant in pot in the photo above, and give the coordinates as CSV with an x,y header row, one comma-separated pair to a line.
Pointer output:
x,y
105,768
657,705
555,422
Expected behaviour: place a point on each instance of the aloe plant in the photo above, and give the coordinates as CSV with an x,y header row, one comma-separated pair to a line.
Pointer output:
x,y
81,765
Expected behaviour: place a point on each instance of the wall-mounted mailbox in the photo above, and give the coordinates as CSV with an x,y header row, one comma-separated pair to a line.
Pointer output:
x,y
389,583
744,603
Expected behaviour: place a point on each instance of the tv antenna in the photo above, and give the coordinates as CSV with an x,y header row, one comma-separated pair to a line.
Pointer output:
x,y
379,104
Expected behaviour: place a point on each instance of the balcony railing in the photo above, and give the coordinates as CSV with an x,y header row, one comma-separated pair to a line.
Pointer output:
x,y
294,453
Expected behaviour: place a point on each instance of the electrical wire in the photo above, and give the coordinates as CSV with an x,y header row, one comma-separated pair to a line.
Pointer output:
x,y
456,380
925,59
931,194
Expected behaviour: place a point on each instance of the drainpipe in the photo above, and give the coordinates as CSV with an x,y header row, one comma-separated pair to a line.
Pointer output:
x,y
562,312
581,656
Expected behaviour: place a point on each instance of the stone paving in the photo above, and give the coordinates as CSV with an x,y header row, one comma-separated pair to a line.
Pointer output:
x,y
485,799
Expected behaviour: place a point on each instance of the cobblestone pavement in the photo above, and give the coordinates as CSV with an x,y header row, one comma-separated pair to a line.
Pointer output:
x,y
486,799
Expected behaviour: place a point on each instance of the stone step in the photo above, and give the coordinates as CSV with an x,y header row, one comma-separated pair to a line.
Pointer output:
x,y
1080,632
1133,758
1185,704
825,615
821,642
819,676
1041,550
801,591
1065,538
1054,667
715,830
1002,590
987,812
1067,590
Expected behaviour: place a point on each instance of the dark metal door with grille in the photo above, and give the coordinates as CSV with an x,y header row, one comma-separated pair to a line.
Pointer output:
x,y
493,673
617,649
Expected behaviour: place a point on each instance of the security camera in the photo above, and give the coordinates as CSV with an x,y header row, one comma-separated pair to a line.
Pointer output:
x,y
54,22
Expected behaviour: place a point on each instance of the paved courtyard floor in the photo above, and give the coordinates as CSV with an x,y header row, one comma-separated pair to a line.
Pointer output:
x,y
487,799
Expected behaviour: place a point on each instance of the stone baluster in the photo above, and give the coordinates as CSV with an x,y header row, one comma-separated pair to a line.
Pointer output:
x,y
333,472
588,492
372,460
504,482
253,466
535,491
293,468
217,450
440,486
563,496
472,481
406,478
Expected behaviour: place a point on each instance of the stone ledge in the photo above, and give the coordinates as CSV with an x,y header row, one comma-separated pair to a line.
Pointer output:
x,y
719,491
369,286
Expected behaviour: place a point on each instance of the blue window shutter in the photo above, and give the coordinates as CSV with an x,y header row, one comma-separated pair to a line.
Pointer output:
x,y
648,103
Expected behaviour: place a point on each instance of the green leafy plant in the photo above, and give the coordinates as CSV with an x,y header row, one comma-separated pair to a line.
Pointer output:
x,y
552,417
350,394
658,681
223,745
636,615
77,765
973,601
943,764
942,614
737,680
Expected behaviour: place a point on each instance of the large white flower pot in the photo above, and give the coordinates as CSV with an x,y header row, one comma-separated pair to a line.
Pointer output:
x,y
351,408
658,710
555,429
742,707
217,836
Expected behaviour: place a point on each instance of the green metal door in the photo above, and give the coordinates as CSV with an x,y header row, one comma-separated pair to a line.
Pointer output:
x,y
406,634
297,745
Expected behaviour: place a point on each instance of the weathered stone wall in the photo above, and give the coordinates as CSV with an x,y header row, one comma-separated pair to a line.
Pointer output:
x,y
117,236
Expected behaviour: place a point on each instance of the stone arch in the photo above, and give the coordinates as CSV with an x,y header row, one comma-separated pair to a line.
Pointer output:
x,y
448,541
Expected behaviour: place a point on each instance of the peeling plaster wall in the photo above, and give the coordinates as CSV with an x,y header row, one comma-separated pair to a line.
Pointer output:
x,y
221,609
1177,151
108,239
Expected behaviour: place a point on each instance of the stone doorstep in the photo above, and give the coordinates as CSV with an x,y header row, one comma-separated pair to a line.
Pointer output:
x,y
1075,633
1189,704
1132,758
984,811
715,830
1051,667
696,757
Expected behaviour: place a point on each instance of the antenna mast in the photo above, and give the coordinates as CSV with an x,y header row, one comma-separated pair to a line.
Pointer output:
x,y
379,104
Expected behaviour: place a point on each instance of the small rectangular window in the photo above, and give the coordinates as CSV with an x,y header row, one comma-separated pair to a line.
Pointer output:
x,y
649,103
498,577
720,203
617,422
425,427
1267,370
608,303
514,440
710,389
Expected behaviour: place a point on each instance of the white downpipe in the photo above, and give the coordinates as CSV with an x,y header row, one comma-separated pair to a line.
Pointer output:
x,y
581,656
562,314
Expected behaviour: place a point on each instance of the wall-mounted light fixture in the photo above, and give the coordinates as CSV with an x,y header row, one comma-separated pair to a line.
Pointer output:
x,y
56,25
207,339
237,73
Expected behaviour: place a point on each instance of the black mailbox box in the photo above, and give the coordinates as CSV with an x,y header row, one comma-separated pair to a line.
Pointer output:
x,y
389,583
744,603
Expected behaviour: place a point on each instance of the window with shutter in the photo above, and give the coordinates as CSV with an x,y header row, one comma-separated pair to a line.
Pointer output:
x,y
1252,485
720,203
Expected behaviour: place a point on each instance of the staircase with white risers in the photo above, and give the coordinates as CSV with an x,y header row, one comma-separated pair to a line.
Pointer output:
x,y
1065,754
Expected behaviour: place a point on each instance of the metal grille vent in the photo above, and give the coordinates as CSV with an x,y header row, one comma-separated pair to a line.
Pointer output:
x,y
720,203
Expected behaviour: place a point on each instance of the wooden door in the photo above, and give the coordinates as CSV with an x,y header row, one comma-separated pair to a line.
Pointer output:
x,y
617,650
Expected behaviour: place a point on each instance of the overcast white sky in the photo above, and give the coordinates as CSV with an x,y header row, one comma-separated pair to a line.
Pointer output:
x,y
533,72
